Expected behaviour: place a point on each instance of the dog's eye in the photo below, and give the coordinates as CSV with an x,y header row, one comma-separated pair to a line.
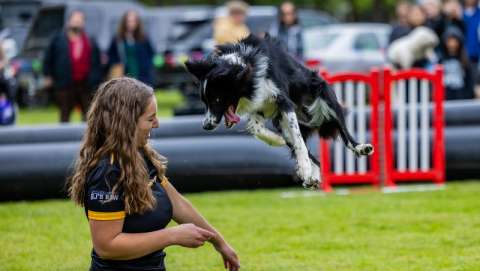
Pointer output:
x,y
217,100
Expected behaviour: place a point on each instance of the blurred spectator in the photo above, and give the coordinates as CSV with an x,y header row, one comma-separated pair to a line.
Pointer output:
x,y
458,74
130,51
401,26
7,107
72,66
414,50
435,19
471,16
439,17
416,17
453,12
231,28
288,30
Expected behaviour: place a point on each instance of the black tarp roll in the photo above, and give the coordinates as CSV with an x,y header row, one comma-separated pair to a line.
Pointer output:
x,y
34,171
184,126
457,113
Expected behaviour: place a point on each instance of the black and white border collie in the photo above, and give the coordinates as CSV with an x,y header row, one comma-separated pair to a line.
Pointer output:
x,y
257,78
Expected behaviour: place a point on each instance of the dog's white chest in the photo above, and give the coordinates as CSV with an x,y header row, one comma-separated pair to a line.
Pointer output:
x,y
268,108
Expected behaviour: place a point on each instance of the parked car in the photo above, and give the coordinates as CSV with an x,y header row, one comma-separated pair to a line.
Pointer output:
x,y
346,47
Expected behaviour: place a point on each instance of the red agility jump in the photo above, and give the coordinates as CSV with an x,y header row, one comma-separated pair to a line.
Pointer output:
x,y
358,93
407,152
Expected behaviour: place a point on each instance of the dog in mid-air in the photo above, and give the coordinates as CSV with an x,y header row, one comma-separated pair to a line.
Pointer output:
x,y
257,78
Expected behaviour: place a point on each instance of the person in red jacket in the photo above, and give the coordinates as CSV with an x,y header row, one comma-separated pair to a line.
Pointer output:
x,y
72,66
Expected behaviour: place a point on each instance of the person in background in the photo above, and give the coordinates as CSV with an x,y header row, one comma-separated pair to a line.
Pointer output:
x,y
401,26
130,52
72,66
232,27
416,17
288,29
416,48
7,105
440,17
453,13
471,17
458,74
435,18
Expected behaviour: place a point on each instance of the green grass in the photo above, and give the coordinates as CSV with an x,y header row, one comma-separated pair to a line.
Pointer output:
x,y
437,230
167,101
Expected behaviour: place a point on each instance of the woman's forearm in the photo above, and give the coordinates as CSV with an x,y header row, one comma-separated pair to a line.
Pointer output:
x,y
188,214
126,246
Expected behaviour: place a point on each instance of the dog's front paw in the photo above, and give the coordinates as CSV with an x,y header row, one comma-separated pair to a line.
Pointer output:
x,y
309,174
364,149
314,180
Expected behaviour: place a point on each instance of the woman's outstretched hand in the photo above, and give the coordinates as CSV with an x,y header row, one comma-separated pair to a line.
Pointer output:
x,y
230,258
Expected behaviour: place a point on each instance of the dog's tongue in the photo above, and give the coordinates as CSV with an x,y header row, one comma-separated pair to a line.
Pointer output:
x,y
231,116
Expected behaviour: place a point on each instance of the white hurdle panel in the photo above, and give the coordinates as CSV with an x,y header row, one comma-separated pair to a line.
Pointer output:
x,y
411,101
353,96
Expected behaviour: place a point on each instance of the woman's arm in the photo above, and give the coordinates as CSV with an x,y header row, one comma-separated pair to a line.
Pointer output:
x,y
184,212
110,243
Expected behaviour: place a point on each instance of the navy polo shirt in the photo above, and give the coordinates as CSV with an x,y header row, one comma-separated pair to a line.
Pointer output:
x,y
101,203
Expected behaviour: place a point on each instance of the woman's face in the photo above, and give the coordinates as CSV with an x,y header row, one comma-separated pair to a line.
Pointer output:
x,y
453,45
147,122
288,14
132,21
416,16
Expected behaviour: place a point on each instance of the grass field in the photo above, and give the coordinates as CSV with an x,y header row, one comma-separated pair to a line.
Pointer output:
x,y
437,230
167,101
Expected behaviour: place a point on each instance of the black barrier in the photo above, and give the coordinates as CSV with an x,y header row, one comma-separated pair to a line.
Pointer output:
x,y
184,126
457,113
35,171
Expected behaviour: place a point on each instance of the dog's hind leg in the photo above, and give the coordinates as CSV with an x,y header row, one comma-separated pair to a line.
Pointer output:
x,y
357,148
256,126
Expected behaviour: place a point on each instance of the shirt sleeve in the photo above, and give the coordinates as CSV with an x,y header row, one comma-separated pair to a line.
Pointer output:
x,y
101,202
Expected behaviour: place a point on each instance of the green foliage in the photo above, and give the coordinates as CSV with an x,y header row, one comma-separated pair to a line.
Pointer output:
x,y
436,230
351,10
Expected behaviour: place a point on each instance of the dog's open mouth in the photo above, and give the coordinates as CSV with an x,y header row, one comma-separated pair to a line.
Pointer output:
x,y
230,117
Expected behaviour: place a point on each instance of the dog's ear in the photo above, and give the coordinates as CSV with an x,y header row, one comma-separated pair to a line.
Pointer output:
x,y
199,68
244,73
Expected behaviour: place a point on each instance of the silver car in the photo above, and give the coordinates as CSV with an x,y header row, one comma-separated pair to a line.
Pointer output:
x,y
346,47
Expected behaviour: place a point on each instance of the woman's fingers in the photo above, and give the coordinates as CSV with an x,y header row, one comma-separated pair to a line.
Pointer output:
x,y
206,234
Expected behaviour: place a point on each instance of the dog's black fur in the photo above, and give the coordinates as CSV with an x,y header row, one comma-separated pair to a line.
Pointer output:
x,y
260,72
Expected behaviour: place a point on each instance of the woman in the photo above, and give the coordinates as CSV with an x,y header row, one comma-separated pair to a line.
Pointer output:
x,y
130,52
288,29
120,180
458,73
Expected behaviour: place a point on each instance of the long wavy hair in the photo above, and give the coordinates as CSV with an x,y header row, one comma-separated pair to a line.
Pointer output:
x,y
111,130
138,34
